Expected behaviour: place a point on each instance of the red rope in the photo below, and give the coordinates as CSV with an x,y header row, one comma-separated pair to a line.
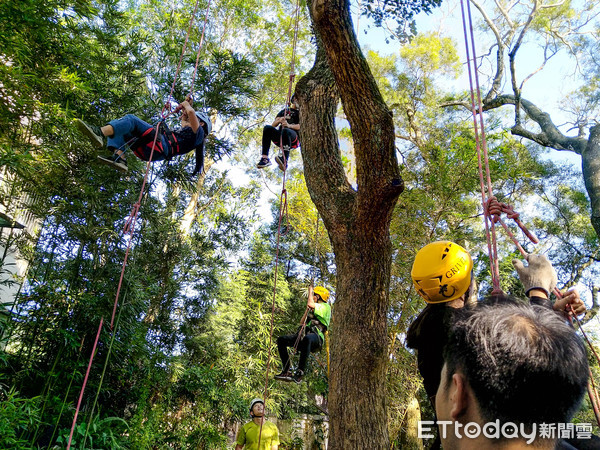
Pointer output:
x,y
187,37
282,207
490,230
493,209
87,373
132,219
199,47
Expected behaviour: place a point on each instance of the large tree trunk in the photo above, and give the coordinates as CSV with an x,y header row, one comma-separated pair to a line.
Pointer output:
x,y
357,221
590,166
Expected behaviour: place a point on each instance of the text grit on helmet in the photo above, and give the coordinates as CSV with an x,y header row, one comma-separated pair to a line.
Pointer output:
x,y
255,401
322,292
203,117
441,271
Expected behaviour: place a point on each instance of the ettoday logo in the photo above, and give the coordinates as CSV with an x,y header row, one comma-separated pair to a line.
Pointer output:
x,y
508,430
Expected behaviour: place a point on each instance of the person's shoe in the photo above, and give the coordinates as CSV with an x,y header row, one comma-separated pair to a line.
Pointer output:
x,y
298,376
284,376
93,133
264,162
115,161
282,165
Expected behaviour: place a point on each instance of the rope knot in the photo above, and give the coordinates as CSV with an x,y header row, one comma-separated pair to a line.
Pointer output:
x,y
493,208
497,292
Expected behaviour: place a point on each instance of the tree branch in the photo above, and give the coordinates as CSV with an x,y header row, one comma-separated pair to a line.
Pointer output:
x,y
550,135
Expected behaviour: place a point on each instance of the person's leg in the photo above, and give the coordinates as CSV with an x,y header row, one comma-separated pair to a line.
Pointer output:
x,y
283,342
270,134
92,132
124,129
288,136
310,343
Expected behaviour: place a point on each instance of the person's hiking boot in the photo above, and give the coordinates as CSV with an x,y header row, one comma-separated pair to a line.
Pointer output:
x,y
298,376
284,376
115,161
264,162
281,163
93,133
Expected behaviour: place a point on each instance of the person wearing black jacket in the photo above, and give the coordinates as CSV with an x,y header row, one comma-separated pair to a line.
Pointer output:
x,y
132,132
283,132
442,275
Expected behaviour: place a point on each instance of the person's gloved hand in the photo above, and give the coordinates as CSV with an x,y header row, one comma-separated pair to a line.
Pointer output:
x,y
539,273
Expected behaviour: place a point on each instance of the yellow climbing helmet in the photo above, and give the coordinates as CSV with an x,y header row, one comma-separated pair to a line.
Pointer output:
x,y
322,292
441,271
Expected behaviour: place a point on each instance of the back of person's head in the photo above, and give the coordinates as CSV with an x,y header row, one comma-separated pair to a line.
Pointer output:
x,y
523,363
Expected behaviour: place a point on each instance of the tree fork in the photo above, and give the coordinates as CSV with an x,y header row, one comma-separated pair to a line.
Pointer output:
x,y
357,221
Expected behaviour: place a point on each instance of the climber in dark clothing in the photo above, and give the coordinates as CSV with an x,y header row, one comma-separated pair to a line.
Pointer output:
x,y
282,132
132,132
428,333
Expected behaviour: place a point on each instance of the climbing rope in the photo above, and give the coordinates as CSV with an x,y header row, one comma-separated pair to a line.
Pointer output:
x,y
132,219
282,209
288,99
492,208
481,145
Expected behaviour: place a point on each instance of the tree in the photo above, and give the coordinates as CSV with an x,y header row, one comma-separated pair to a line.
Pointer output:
x,y
356,218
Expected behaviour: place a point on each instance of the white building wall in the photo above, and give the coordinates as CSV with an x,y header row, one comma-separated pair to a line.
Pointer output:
x,y
14,267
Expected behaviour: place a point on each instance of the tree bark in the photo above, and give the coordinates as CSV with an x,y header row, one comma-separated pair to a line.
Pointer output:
x,y
357,221
590,166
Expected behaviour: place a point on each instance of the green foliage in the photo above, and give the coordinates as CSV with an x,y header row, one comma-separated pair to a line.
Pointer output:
x,y
107,433
398,11
193,337
18,416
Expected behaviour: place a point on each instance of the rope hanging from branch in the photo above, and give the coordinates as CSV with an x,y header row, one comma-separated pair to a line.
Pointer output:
x,y
282,210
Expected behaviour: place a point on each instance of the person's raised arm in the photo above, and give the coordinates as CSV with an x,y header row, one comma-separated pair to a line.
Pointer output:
x,y
539,280
311,298
538,277
189,115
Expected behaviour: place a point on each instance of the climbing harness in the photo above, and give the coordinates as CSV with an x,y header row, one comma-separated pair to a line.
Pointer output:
x,y
131,221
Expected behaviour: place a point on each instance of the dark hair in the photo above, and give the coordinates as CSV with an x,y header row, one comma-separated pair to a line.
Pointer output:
x,y
524,363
